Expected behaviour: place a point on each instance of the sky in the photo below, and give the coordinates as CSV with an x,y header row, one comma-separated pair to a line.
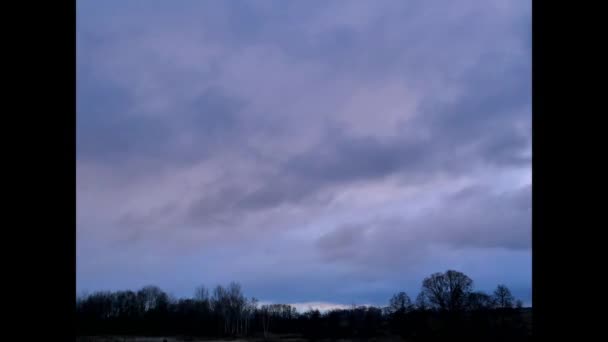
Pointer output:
x,y
328,152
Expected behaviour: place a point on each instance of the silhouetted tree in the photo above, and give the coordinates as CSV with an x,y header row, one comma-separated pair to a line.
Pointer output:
x,y
422,302
503,297
400,303
201,293
229,304
447,291
462,313
479,301
151,298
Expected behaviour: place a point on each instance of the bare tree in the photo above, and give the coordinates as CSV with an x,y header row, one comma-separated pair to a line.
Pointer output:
x,y
422,302
250,308
201,293
266,317
152,297
447,291
503,297
237,304
479,301
400,303
219,306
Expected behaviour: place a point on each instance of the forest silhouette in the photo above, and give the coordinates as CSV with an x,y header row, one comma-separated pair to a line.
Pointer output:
x,y
447,306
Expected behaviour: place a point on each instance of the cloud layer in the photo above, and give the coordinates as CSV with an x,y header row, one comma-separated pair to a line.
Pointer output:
x,y
315,151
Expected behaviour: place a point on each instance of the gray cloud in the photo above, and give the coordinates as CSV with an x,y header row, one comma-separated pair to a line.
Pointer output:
x,y
470,218
354,137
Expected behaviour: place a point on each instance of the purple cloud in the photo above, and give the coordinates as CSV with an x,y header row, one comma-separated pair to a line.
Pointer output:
x,y
337,150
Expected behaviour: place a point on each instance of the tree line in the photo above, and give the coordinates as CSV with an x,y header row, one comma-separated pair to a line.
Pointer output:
x,y
447,305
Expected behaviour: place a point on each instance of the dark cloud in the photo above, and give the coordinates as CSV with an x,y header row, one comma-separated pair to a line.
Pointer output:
x,y
364,142
111,130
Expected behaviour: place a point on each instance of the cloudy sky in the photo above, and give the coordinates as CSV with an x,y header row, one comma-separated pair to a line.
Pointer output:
x,y
314,151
